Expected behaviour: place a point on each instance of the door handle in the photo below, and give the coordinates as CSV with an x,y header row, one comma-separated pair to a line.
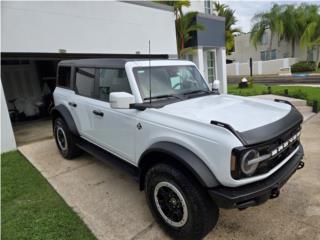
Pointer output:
x,y
72,104
99,113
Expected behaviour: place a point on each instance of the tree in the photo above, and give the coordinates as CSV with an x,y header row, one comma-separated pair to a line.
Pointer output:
x,y
263,21
292,26
309,15
230,20
295,24
185,24
177,6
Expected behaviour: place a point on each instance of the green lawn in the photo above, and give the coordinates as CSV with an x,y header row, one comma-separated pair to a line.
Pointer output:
x,y
308,93
31,208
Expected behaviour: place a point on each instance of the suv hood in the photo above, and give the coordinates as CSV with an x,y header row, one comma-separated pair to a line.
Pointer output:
x,y
242,113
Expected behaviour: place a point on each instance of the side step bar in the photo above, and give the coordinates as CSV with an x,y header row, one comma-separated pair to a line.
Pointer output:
x,y
105,156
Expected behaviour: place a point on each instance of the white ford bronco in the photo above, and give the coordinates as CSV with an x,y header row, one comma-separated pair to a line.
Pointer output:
x,y
192,149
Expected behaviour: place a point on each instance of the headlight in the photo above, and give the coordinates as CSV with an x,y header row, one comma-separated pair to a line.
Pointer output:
x,y
248,167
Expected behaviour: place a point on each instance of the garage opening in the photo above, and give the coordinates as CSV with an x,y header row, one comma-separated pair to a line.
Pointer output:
x,y
28,86
28,82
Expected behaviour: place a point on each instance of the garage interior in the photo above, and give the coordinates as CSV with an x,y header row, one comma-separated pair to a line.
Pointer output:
x,y
28,82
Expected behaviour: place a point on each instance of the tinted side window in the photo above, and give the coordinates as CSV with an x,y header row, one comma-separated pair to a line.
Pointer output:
x,y
64,76
112,80
85,81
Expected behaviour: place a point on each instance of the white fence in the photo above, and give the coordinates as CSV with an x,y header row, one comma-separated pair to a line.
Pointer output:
x,y
260,67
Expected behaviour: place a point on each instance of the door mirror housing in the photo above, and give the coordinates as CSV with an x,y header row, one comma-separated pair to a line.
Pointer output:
x,y
121,100
216,86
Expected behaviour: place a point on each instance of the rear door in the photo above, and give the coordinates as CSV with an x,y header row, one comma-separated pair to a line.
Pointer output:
x,y
83,101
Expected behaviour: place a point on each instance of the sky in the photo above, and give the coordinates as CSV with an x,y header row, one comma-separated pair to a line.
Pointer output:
x,y
245,10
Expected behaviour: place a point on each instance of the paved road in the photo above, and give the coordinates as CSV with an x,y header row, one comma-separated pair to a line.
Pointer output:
x,y
110,203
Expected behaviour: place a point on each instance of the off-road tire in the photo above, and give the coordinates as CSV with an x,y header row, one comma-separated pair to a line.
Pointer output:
x,y
202,212
70,150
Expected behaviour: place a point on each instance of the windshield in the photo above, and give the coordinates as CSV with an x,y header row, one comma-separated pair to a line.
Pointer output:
x,y
169,81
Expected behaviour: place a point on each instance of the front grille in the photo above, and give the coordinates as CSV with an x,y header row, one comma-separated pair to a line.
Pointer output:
x,y
269,164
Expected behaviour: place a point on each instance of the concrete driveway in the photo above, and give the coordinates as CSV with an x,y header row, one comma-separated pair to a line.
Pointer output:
x,y
109,202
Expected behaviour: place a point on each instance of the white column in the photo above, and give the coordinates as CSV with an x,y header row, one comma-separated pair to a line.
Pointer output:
x,y
8,142
200,61
222,69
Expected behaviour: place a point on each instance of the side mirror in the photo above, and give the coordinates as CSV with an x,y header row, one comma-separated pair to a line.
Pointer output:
x,y
121,100
216,86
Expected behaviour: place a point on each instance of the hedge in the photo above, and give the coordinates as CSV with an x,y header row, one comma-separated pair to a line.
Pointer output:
x,y
304,66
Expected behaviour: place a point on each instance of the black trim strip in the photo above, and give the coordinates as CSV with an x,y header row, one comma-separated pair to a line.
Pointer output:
x,y
273,130
284,101
268,132
230,128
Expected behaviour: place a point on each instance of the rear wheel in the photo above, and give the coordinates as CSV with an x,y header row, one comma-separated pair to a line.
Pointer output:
x,y
180,205
65,140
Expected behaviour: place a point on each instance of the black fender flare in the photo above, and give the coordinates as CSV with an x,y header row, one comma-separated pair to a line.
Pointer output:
x,y
182,156
64,112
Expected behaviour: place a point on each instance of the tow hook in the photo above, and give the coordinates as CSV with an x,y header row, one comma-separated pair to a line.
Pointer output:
x,y
301,165
275,193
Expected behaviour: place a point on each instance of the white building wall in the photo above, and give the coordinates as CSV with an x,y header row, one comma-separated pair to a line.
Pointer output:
x,y
8,142
270,67
195,6
86,27
244,48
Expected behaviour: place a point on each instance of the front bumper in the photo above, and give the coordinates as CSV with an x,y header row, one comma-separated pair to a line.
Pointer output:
x,y
259,192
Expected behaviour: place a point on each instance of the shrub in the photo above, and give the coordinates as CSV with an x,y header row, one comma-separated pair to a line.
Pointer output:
x,y
304,66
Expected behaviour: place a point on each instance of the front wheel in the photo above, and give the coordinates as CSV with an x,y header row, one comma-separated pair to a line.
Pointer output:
x,y
179,204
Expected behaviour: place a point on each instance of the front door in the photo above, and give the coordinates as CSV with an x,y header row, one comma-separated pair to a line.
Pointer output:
x,y
113,129
211,66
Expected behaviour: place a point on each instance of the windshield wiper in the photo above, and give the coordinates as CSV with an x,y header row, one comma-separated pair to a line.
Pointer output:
x,y
197,91
163,96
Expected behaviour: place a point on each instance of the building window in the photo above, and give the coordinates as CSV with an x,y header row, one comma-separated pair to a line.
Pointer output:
x,y
268,55
85,81
211,65
207,7
273,54
263,55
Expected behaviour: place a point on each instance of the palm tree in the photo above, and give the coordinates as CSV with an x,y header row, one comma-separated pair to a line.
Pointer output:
x,y
291,23
185,24
292,26
224,11
311,35
177,6
263,21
